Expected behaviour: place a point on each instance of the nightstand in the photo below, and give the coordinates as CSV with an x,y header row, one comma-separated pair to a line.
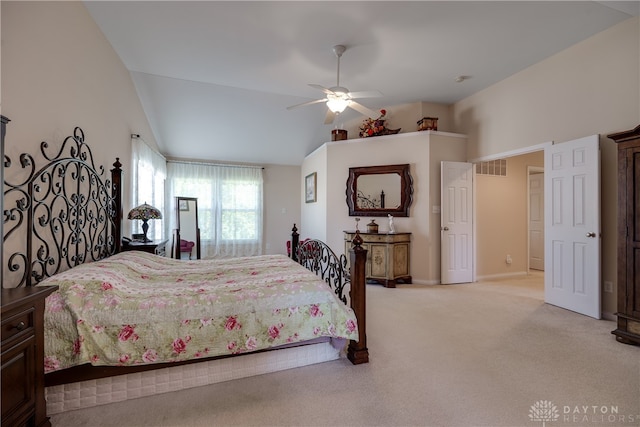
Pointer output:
x,y
157,247
23,402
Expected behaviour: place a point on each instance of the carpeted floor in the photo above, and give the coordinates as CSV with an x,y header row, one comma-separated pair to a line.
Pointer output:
x,y
479,354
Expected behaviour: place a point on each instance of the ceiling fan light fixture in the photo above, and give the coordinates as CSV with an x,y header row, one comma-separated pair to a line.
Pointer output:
x,y
337,104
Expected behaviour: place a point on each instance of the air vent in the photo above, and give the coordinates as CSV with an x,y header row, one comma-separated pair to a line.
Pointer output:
x,y
492,168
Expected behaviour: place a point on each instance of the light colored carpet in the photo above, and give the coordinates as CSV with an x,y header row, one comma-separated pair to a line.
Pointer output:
x,y
479,354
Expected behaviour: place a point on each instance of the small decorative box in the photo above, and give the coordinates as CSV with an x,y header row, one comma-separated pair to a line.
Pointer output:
x,y
338,135
428,123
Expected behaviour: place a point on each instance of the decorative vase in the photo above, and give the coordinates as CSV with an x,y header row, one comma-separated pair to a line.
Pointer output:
x,y
372,227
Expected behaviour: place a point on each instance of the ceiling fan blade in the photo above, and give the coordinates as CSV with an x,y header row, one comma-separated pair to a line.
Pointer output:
x,y
329,117
365,94
322,88
363,110
307,103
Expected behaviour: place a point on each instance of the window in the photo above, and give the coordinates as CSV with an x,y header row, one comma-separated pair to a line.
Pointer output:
x,y
148,177
239,204
229,205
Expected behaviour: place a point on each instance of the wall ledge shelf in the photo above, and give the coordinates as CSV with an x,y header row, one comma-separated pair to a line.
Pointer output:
x,y
398,136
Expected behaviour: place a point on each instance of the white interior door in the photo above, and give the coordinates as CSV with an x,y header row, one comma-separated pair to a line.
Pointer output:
x,y
456,222
572,225
536,220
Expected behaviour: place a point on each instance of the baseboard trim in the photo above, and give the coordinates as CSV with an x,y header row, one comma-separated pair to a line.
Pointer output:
x,y
425,282
518,274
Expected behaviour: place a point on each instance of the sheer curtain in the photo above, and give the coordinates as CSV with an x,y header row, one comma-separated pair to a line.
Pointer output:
x,y
149,170
229,206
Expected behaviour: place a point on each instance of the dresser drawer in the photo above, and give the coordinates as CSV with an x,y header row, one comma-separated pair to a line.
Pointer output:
x,y
18,323
18,382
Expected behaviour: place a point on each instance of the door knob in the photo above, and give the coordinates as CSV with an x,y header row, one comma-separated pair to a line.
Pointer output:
x,y
591,234
445,228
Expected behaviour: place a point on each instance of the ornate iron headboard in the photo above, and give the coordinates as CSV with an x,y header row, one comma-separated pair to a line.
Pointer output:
x,y
60,215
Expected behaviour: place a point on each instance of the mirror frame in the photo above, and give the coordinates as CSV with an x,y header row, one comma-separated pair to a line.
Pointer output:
x,y
176,232
406,190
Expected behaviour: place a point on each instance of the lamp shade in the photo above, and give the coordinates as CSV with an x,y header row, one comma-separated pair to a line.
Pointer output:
x,y
144,211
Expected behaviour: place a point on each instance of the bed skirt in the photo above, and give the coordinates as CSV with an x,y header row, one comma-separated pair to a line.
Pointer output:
x,y
85,394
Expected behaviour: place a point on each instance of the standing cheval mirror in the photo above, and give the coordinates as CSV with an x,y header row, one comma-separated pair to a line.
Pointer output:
x,y
186,237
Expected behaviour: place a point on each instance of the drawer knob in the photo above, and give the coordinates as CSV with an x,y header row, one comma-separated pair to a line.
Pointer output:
x,y
20,326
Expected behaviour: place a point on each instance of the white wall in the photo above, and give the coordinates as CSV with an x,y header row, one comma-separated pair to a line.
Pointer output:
x,y
423,151
590,88
314,216
59,72
281,205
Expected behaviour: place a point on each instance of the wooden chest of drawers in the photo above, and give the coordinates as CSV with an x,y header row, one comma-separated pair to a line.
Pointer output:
x,y
23,356
388,260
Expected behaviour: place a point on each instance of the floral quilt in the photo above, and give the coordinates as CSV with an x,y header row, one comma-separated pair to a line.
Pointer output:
x,y
138,308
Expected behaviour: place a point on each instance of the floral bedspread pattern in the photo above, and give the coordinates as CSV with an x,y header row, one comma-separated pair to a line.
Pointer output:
x,y
138,308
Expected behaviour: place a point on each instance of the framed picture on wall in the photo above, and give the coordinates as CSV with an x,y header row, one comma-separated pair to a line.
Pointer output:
x,y
310,187
184,205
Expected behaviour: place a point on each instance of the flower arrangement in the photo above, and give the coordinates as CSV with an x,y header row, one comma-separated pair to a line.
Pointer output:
x,y
371,127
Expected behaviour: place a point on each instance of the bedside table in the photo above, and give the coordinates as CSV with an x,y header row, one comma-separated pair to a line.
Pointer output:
x,y
157,247
23,401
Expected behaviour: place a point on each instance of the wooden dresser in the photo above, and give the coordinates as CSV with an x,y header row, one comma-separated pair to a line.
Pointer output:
x,y
628,330
388,260
22,373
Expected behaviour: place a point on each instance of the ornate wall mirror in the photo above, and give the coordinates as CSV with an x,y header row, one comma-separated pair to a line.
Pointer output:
x,y
186,237
379,190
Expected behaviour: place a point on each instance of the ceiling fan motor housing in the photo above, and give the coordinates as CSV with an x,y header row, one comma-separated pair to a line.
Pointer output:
x,y
339,90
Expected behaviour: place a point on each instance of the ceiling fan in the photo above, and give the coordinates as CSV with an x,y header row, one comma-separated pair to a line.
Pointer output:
x,y
338,98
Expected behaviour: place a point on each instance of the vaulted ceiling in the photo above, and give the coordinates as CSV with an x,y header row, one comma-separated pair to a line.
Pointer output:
x,y
215,77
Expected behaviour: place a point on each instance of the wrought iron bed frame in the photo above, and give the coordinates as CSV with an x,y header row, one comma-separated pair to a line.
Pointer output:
x,y
66,213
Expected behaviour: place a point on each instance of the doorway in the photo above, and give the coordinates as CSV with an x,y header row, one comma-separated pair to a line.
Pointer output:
x,y
503,218
572,230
